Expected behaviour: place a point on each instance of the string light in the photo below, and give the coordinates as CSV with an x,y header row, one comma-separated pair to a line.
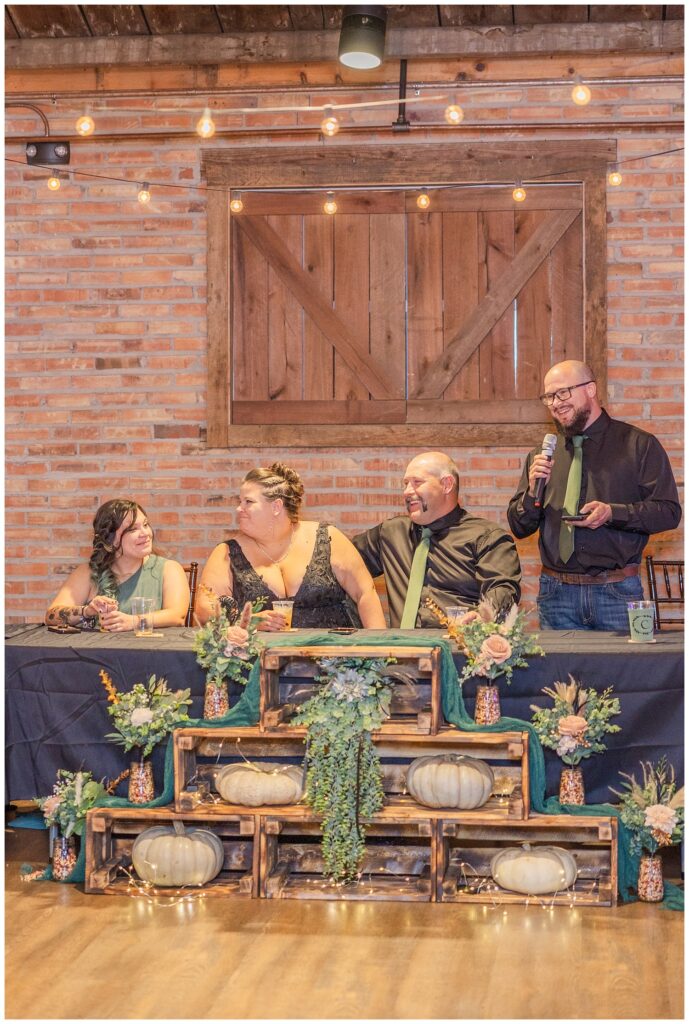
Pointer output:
x,y
330,206
329,125
144,194
454,113
423,200
614,178
518,192
54,182
205,126
581,94
236,204
85,125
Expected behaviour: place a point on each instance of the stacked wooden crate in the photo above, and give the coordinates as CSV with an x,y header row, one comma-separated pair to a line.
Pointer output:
x,y
413,852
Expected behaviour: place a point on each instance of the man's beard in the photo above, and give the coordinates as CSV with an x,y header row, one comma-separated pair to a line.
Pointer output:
x,y
576,426
421,502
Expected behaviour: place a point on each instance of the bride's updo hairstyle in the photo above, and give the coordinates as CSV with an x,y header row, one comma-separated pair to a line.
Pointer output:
x,y
279,481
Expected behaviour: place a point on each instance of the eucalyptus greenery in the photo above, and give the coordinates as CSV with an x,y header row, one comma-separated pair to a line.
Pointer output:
x,y
146,714
73,795
223,660
344,778
575,725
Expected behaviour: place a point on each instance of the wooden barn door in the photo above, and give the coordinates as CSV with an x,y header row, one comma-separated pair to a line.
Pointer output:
x,y
390,316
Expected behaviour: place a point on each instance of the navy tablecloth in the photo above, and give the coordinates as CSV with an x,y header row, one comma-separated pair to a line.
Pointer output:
x,y
56,705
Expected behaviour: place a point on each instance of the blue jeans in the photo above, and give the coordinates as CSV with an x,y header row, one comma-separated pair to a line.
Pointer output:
x,y
588,606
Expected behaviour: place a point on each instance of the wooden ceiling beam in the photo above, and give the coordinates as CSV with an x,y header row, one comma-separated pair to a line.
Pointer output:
x,y
244,79
306,47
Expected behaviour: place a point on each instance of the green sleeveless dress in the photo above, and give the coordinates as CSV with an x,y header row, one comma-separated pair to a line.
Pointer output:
x,y
147,582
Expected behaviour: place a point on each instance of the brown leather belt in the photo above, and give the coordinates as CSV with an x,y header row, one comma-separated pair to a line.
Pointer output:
x,y
610,576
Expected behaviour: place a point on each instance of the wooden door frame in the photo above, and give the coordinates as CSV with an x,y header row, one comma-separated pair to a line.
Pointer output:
x,y
377,165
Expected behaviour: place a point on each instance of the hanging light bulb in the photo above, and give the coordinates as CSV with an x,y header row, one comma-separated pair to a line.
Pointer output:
x,y
423,200
330,206
144,194
236,204
614,178
205,126
329,125
54,182
454,113
581,94
518,192
85,125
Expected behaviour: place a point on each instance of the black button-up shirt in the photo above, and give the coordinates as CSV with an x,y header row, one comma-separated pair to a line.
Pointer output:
x,y
469,558
622,466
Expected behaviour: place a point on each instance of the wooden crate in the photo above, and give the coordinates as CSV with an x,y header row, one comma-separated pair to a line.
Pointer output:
x,y
399,863
287,680
465,850
200,753
110,835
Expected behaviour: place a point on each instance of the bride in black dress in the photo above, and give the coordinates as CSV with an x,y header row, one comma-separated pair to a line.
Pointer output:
x,y
277,555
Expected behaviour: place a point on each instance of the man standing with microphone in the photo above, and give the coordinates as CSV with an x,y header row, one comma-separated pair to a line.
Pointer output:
x,y
607,487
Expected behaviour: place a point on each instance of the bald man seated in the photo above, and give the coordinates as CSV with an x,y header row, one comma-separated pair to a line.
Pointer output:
x,y
608,486
438,549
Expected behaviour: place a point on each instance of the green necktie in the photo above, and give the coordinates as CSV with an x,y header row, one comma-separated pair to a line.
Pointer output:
x,y
572,495
415,585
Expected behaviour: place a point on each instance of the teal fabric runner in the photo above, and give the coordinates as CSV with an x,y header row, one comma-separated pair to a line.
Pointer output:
x,y
246,712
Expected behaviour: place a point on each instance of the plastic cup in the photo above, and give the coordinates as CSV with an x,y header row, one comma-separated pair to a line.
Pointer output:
x,y
142,610
640,622
455,612
285,609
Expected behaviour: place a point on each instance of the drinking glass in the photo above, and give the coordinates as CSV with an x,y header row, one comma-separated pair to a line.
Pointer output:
x,y
142,610
285,609
640,622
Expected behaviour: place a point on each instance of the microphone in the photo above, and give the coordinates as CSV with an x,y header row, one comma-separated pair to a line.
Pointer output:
x,y
547,449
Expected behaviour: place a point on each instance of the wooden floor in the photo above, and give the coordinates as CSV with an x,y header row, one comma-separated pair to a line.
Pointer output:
x,y
75,956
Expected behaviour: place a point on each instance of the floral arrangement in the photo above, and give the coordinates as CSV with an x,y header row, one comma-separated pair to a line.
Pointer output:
x,y
576,723
493,644
73,795
344,777
652,810
146,714
227,651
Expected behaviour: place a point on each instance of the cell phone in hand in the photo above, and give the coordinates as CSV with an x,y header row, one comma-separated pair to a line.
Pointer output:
x,y
573,519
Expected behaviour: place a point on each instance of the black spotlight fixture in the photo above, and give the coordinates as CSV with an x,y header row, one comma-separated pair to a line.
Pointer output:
x,y
50,152
362,36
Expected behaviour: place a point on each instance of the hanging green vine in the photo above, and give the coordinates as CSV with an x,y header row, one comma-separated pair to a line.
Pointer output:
x,y
344,778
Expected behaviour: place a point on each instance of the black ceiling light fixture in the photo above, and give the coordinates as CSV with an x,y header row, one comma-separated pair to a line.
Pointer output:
x,y
55,151
362,37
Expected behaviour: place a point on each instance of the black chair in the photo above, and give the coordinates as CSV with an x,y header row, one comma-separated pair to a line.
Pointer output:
x,y
667,601
192,571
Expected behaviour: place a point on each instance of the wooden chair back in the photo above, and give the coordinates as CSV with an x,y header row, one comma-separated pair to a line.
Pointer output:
x,y
192,571
666,588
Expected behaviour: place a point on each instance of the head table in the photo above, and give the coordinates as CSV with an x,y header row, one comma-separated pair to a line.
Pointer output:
x,y
56,705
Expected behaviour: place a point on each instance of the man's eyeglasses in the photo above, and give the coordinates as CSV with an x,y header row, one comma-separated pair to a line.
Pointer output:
x,y
563,394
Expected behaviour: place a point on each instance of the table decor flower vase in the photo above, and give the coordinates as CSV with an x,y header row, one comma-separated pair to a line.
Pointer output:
x,y
64,856
487,710
650,884
572,786
141,788
216,700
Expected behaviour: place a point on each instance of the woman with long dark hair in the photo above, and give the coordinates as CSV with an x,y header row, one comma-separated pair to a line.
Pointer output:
x,y
122,566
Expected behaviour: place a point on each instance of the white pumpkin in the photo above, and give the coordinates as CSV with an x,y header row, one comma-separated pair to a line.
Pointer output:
x,y
175,856
534,870
450,780
255,784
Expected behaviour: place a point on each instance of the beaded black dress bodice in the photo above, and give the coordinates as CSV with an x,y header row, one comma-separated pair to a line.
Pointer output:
x,y
319,601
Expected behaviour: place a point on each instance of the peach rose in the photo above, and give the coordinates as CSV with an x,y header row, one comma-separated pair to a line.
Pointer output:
x,y
572,725
237,639
50,805
468,618
495,649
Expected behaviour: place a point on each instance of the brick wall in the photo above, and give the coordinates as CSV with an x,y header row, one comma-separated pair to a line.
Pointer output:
x,y
106,334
